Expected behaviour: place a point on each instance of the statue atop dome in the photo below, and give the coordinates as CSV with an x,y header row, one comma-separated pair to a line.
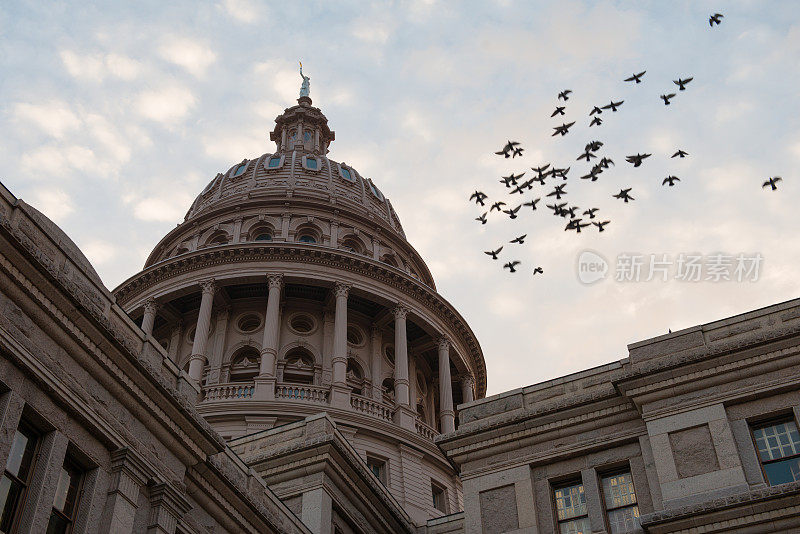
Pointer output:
x,y
306,87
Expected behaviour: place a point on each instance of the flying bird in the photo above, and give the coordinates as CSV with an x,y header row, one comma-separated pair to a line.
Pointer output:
x,y
575,224
517,152
482,218
507,149
682,83
493,253
479,197
600,225
512,213
532,203
564,95
595,109
666,98
605,162
636,77
590,212
538,270
569,211
520,239
559,111
587,156
613,105
593,174
557,208
497,206
679,154
511,265
670,180
637,159
541,170
519,189
562,173
716,18
563,129
511,179
594,146
623,195
597,121
558,191
772,182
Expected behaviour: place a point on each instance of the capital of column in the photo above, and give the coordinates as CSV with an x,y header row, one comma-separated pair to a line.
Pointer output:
x,y
400,311
151,305
444,343
341,289
275,280
208,286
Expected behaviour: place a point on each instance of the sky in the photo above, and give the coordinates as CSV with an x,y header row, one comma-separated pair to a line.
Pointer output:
x,y
114,116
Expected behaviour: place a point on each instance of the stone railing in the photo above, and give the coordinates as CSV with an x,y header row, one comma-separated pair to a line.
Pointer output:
x,y
228,391
302,392
371,407
424,430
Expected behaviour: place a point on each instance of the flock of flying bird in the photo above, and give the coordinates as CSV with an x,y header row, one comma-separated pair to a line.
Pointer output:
x,y
576,220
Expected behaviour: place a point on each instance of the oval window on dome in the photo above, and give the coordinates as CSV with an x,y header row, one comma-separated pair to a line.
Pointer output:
x,y
240,169
375,191
274,162
249,323
346,174
311,163
354,336
302,323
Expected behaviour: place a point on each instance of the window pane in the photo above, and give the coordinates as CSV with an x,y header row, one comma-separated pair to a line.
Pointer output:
x,y
10,495
17,453
783,471
57,524
274,162
346,173
624,519
576,526
777,441
570,502
618,490
311,163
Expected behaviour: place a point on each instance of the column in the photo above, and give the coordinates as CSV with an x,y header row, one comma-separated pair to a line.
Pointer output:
x,y
405,415
377,362
175,341
340,393
11,405
220,331
467,391
167,508
44,480
129,474
265,382
237,230
446,414
198,357
150,309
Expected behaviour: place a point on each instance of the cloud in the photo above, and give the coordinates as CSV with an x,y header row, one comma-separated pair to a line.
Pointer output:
x,y
54,203
241,10
167,105
54,118
123,67
156,209
190,54
371,31
98,252
96,67
60,160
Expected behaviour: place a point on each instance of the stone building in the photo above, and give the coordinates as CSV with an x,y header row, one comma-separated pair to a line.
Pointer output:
x,y
283,363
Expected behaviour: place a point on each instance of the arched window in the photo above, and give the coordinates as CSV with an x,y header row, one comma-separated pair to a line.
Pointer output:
x,y
245,365
261,233
390,259
355,376
299,367
306,238
387,386
240,169
220,238
352,244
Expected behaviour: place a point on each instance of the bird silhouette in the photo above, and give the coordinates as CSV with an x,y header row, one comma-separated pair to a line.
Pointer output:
x,y
532,203
772,182
538,270
517,152
623,194
559,111
637,159
570,211
563,129
511,265
679,154
606,162
564,95
541,169
590,212
561,173
636,77
506,150
493,253
558,191
539,179
482,218
681,83
716,18
613,105
520,239
497,206
479,197
670,180
597,121
519,189
575,224
512,213
666,98
596,110
586,155
600,225
593,174
556,208
593,146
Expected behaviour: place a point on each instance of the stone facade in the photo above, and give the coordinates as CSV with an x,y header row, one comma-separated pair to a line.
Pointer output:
x,y
283,363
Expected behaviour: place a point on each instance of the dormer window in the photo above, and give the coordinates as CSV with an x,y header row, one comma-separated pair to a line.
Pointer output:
x,y
375,191
346,173
310,163
240,170
274,162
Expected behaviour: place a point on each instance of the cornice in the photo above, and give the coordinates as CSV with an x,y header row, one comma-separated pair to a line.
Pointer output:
x,y
302,253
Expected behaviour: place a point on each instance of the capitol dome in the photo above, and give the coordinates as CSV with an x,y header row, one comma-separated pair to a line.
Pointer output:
x,y
290,289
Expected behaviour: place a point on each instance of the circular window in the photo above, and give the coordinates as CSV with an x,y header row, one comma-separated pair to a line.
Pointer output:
x,y
354,336
307,238
302,323
388,353
248,323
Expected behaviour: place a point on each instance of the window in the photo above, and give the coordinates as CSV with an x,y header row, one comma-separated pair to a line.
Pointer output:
x,y
65,502
263,236
249,323
16,477
378,468
311,163
388,353
302,323
307,135
439,500
274,162
571,512
306,238
346,174
245,365
375,191
620,500
240,169
778,445
354,336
